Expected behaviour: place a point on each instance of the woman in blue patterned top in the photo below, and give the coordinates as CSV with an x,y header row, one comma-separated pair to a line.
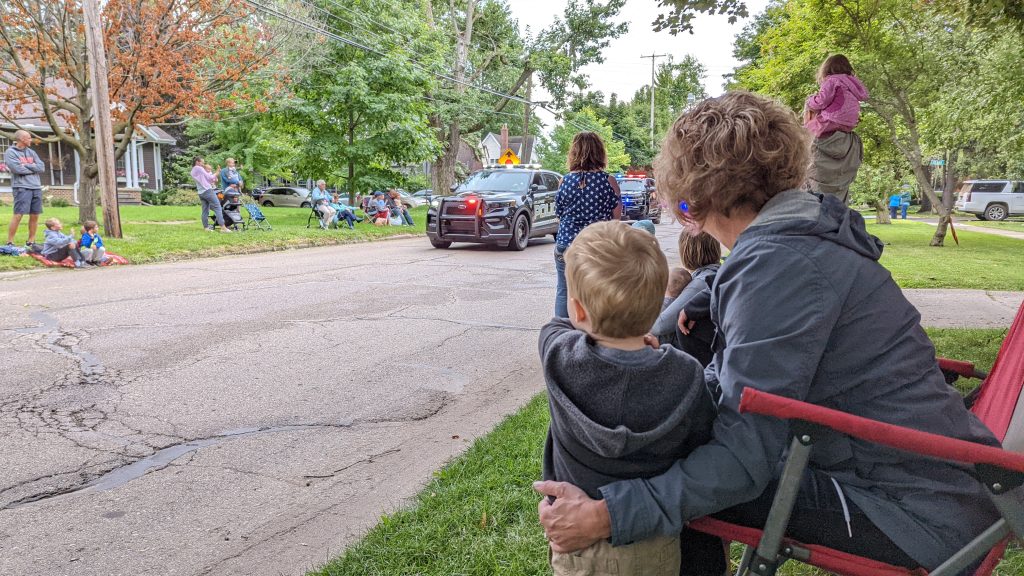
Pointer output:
x,y
587,195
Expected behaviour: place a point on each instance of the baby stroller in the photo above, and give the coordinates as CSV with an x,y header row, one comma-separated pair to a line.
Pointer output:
x,y
231,207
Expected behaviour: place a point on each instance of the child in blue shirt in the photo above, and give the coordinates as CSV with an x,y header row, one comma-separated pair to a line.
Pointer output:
x,y
91,245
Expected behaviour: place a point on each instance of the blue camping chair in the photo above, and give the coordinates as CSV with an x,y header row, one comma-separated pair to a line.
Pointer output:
x,y
256,217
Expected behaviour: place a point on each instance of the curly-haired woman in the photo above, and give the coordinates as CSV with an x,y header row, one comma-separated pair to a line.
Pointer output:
x,y
803,309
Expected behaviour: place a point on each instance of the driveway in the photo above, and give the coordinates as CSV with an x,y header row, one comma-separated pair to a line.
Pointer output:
x,y
253,414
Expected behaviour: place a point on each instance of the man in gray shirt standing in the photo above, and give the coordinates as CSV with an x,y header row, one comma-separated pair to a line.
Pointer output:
x,y
25,167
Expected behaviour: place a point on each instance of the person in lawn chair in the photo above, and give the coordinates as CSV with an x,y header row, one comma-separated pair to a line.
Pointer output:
x,y
804,310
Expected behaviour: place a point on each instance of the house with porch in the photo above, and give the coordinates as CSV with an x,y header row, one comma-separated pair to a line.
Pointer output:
x,y
141,166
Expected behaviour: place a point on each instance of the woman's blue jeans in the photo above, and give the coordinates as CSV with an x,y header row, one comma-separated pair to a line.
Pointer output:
x,y
561,291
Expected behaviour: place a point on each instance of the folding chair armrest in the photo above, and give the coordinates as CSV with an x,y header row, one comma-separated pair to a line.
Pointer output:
x,y
898,437
961,368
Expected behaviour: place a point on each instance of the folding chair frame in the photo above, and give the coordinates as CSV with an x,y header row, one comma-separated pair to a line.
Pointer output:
x,y
252,220
314,214
1002,473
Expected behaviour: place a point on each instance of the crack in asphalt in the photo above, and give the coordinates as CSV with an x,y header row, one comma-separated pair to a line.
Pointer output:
x,y
368,460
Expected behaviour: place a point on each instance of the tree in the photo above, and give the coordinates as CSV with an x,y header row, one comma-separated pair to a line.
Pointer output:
x,y
484,46
554,150
166,59
361,116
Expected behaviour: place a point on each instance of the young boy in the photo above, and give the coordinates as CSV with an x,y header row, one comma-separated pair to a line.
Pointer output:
x,y
91,245
619,408
59,246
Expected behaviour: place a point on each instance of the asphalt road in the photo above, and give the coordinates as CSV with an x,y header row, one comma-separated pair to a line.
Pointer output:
x,y
256,414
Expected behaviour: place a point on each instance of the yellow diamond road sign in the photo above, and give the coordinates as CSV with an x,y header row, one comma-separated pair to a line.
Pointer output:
x,y
509,157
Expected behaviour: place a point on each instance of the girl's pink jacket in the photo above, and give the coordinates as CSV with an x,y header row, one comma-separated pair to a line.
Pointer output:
x,y
837,105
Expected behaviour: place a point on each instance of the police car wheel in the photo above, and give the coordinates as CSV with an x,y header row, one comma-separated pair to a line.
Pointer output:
x,y
520,234
440,243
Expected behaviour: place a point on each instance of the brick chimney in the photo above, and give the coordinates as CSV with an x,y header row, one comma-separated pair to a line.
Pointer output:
x,y
504,138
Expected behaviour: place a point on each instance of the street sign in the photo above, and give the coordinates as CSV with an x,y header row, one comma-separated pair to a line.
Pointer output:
x,y
937,162
509,157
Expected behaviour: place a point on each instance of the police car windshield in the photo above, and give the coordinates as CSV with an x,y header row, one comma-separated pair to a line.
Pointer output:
x,y
497,181
631,185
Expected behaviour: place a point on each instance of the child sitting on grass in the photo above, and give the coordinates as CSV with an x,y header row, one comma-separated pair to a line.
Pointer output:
x,y
91,245
58,245
619,407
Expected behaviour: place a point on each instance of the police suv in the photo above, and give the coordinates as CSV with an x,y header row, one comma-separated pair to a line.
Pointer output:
x,y
504,205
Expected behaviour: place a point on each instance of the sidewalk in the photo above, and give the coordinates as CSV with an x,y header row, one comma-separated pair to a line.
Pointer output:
x,y
962,225
958,308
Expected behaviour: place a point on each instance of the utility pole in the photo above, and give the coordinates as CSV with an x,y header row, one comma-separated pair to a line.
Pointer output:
x,y
526,150
654,58
102,130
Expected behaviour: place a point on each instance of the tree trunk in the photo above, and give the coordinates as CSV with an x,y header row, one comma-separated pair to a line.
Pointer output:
x,y
351,164
87,180
443,175
882,212
925,185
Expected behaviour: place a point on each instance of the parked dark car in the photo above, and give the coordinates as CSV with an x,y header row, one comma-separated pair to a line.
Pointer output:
x,y
503,206
640,199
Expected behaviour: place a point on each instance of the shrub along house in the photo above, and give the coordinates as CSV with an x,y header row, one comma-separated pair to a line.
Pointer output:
x,y
141,166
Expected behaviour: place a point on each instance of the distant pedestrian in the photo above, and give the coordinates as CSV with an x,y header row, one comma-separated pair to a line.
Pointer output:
x,y
895,201
229,175
90,245
904,205
25,167
586,195
204,180
831,115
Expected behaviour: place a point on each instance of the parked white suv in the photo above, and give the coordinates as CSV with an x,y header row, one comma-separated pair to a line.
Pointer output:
x,y
991,199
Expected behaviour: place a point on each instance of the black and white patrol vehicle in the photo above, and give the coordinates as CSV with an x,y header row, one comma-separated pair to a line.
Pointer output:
x,y
501,205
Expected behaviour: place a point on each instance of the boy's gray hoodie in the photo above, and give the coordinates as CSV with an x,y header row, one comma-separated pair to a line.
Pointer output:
x,y
24,175
618,414
804,310
54,241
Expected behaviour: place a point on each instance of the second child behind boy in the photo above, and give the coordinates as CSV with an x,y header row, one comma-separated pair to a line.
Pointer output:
x,y
619,408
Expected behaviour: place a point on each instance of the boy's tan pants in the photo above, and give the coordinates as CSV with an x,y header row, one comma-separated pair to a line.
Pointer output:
x,y
653,557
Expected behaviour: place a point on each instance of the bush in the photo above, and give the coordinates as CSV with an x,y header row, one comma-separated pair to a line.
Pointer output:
x,y
59,203
182,197
154,197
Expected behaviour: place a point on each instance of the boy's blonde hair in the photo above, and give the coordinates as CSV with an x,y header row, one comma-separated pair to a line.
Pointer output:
x,y
90,225
51,222
730,153
619,274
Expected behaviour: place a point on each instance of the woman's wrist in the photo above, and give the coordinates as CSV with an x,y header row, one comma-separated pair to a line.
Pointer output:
x,y
600,520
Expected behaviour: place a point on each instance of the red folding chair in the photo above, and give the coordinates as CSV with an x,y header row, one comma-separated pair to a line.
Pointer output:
x,y
998,403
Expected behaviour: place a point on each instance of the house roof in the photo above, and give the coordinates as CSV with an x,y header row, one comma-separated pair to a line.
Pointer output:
x,y
514,142
31,118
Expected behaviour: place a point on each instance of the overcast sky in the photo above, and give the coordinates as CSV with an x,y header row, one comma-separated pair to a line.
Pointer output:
x,y
624,71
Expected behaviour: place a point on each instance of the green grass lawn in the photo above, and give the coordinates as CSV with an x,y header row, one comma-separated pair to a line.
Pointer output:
x,y
478,515
167,233
981,261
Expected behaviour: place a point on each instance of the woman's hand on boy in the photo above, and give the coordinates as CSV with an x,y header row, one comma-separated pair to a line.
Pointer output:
x,y
685,325
573,521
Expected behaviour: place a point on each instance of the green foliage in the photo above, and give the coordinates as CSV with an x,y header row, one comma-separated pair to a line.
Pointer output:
x,y
554,150
181,197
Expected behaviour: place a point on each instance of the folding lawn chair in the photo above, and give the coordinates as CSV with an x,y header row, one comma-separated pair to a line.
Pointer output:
x,y
256,217
315,214
998,403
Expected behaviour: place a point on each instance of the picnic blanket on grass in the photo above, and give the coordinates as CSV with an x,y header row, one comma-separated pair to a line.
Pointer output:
x,y
69,263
